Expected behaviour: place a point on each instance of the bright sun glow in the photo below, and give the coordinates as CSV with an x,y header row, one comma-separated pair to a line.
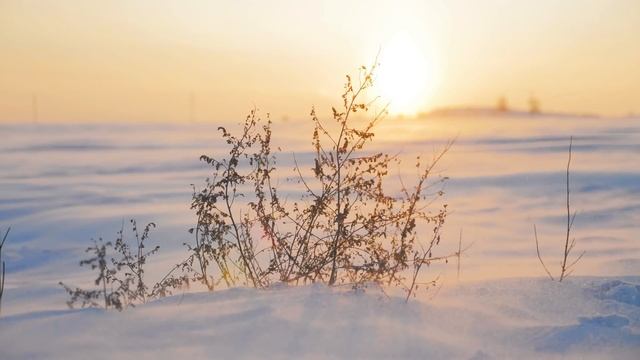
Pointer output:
x,y
406,76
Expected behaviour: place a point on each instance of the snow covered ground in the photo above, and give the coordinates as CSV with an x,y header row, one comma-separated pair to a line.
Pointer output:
x,y
585,318
62,184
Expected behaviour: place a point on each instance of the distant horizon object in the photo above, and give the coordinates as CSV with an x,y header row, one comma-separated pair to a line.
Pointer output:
x,y
534,105
34,108
502,105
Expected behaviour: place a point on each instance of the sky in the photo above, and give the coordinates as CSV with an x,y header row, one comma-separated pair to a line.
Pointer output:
x,y
156,60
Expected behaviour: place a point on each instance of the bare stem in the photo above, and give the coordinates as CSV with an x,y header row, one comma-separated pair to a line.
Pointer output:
x,y
535,233
567,249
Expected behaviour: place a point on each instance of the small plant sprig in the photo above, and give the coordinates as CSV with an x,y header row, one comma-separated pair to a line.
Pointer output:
x,y
2,267
103,281
132,283
120,280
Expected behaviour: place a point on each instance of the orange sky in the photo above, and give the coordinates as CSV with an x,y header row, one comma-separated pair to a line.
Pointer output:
x,y
140,60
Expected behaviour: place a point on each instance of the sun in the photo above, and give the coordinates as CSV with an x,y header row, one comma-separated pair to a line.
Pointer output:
x,y
406,76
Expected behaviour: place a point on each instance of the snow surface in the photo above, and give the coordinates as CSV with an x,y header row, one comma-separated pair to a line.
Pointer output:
x,y
62,184
582,318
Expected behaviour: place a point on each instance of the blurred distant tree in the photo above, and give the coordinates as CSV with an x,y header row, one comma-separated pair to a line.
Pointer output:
x,y
502,104
534,105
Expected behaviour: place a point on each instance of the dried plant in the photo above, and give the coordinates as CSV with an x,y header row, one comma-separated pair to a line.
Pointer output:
x,y
131,284
104,280
120,279
346,228
566,268
222,234
2,270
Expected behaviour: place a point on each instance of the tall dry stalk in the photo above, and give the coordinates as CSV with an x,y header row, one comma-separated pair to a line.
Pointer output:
x,y
2,271
569,243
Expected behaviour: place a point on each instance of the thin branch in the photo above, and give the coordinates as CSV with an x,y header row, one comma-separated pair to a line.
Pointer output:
x,y
535,232
2,264
569,218
459,253
576,260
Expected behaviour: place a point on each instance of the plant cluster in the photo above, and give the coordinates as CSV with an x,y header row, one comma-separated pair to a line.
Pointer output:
x,y
346,228
349,225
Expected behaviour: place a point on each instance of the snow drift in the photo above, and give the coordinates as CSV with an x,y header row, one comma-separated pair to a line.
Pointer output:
x,y
523,318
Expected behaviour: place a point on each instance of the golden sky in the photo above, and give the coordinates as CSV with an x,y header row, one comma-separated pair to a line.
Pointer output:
x,y
133,60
